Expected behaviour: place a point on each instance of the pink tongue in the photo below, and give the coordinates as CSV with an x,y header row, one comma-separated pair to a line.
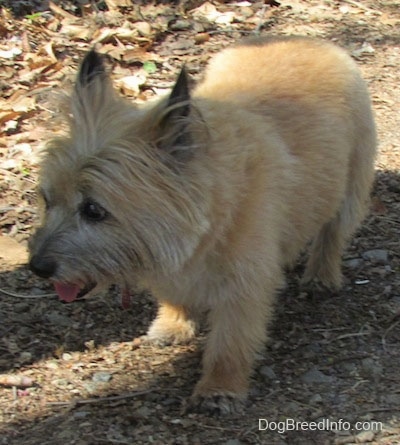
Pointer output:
x,y
67,292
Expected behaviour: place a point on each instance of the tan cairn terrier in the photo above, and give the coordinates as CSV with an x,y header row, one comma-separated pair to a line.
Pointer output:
x,y
205,197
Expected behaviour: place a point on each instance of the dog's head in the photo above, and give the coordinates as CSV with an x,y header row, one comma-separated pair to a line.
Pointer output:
x,y
123,192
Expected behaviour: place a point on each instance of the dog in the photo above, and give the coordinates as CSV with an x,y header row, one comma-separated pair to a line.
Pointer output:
x,y
206,196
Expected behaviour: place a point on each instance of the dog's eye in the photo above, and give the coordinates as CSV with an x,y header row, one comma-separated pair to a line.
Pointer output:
x,y
92,211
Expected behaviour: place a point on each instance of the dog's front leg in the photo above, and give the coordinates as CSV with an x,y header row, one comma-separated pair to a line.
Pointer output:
x,y
172,325
238,330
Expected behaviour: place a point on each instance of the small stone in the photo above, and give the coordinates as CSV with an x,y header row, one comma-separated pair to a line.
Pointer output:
x,y
292,407
91,388
25,357
354,263
143,28
233,442
170,401
225,19
392,399
349,366
90,345
80,414
376,256
314,375
20,308
371,368
101,377
52,365
199,27
365,436
56,319
60,382
144,412
268,373
181,25
316,398
340,398
365,50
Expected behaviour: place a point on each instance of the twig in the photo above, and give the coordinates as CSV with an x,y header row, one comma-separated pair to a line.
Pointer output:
x,y
6,172
346,359
359,5
355,334
389,220
345,440
101,399
219,428
17,209
261,21
355,386
328,329
108,440
12,294
380,410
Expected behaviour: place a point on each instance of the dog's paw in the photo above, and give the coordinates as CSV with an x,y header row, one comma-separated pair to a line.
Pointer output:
x,y
215,404
325,280
158,342
317,289
162,341
177,334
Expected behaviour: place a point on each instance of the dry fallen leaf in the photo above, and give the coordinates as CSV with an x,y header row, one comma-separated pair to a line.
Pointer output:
x,y
23,104
130,85
8,116
49,51
139,54
115,4
10,53
103,35
20,381
76,32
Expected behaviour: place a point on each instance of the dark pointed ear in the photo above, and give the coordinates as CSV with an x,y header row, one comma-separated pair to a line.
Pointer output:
x,y
175,137
93,91
91,67
179,99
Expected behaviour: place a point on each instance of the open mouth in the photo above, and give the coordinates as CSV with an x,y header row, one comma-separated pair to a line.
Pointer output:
x,y
70,292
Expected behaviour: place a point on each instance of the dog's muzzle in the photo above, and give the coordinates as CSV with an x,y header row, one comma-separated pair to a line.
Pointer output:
x,y
44,267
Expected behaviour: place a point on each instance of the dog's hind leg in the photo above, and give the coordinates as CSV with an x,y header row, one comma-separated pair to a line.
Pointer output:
x,y
324,264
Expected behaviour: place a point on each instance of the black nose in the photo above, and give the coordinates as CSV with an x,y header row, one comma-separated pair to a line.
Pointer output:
x,y
42,266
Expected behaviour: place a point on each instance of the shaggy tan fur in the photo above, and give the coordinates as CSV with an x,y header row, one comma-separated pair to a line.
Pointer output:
x,y
205,198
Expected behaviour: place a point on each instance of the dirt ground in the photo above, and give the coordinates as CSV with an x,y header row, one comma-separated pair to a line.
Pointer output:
x,y
73,373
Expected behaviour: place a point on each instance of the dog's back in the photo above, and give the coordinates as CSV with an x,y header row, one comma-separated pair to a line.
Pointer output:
x,y
316,108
